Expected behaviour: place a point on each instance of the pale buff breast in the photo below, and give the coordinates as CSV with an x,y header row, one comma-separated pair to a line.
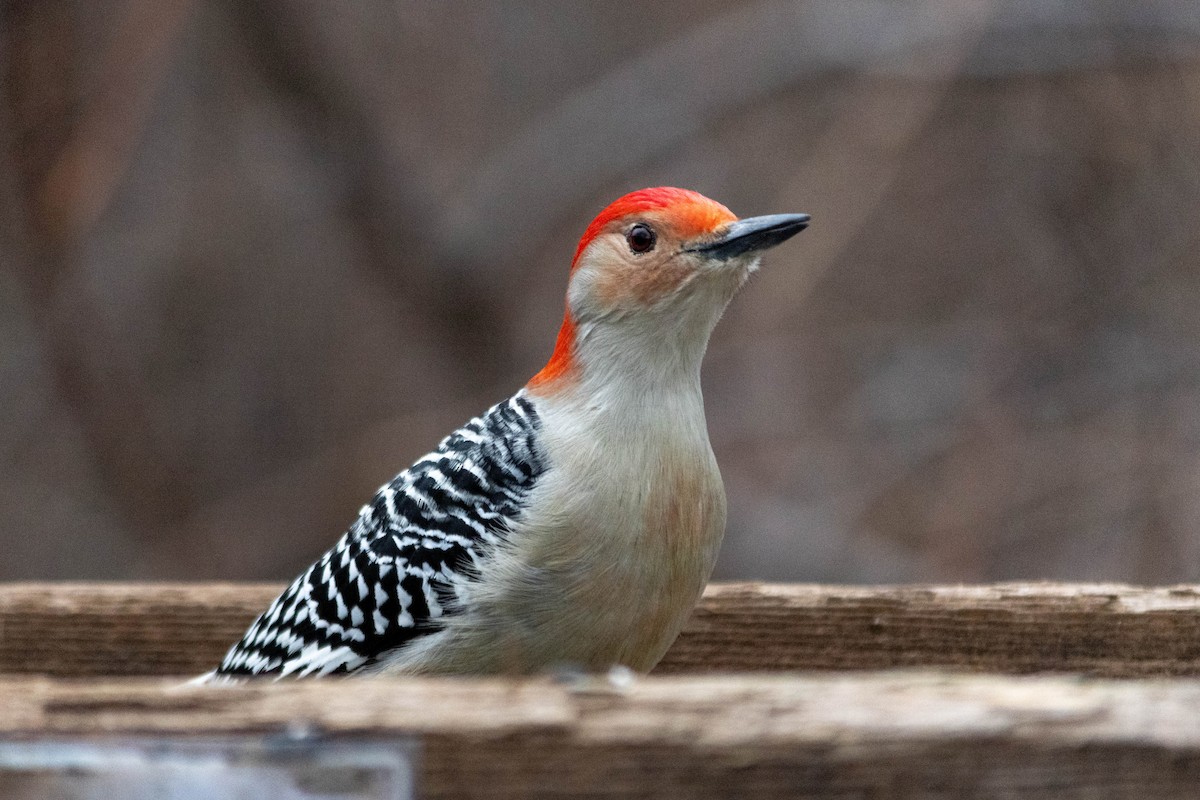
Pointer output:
x,y
644,535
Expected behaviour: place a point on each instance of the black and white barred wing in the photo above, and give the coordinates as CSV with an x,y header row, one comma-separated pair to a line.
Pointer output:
x,y
397,570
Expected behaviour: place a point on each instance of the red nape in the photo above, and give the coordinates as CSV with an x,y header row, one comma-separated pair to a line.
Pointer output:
x,y
561,365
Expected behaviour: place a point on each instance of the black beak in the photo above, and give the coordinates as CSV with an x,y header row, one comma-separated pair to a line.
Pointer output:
x,y
755,233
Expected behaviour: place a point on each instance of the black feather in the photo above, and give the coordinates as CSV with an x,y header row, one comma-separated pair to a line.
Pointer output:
x,y
395,573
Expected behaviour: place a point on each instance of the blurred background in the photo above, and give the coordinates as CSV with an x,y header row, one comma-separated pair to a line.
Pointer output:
x,y
257,256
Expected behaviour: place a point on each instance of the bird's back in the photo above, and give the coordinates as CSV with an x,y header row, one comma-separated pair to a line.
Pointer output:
x,y
396,574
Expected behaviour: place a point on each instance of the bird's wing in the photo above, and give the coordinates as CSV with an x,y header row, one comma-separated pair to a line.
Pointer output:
x,y
396,571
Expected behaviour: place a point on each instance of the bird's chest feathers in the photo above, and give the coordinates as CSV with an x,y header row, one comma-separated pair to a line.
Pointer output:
x,y
638,512
661,501
641,484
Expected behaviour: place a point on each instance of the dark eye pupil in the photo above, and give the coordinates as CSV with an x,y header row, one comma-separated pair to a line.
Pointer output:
x,y
641,238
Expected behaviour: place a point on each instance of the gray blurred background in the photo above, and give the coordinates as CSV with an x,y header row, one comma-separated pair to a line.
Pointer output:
x,y
256,256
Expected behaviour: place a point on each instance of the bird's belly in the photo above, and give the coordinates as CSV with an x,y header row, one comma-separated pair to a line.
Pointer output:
x,y
603,589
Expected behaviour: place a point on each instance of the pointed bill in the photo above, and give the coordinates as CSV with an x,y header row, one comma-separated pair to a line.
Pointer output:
x,y
755,233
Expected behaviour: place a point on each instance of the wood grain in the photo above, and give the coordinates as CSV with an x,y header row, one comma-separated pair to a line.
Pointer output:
x,y
897,735
1101,630
764,728
81,630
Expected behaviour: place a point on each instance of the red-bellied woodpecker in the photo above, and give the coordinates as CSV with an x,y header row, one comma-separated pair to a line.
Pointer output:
x,y
576,523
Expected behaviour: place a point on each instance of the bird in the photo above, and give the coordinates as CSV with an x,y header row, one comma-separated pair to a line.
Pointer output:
x,y
575,524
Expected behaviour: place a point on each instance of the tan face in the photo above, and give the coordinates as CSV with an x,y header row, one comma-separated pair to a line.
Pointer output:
x,y
639,261
650,278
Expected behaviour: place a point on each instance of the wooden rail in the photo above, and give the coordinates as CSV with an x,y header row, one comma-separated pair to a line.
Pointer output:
x,y
81,630
737,709
903,736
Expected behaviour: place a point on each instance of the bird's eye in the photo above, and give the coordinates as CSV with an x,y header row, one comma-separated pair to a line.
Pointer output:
x,y
641,238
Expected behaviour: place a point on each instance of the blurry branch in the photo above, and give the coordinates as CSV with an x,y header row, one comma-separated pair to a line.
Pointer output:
x,y
313,62
1037,38
89,169
851,167
858,156
67,166
671,92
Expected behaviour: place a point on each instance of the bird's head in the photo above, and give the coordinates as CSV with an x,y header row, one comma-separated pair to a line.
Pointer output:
x,y
651,276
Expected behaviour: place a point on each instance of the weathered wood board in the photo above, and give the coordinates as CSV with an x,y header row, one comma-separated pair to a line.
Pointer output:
x,y
771,692
900,735
79,630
